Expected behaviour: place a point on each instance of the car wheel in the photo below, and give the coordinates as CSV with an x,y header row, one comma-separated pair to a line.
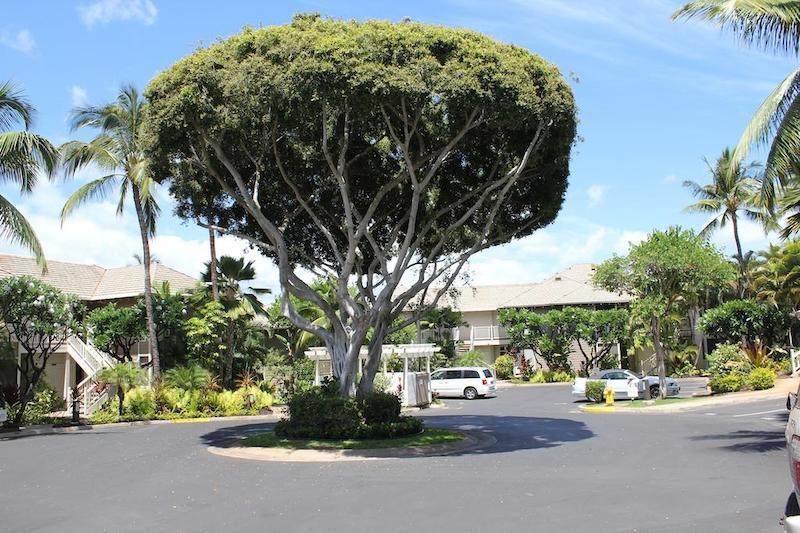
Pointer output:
x,y
792,508
653,392
470,393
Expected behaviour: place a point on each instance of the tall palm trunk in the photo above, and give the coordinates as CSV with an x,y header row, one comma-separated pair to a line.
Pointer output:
x,y
739,256
148,292
212,244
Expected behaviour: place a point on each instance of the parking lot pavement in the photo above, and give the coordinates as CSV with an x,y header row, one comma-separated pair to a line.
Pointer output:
x,y
551,469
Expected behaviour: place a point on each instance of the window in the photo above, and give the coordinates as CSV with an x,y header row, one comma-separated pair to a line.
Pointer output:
x,y
471,374
452,374
437,375
487,372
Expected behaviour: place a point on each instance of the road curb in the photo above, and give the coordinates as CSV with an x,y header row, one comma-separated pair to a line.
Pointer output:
x,y
50,430
473,441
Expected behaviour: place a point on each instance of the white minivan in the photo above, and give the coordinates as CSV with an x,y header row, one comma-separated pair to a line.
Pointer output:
x,y
469,382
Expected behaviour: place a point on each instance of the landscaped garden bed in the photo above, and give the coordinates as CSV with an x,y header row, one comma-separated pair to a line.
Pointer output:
x,y
427,437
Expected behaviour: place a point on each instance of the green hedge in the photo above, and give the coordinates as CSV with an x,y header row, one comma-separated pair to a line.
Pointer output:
x,y
726,383
761,378
594,390
504,367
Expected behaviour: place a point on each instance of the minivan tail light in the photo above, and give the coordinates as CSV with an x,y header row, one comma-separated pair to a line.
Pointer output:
x,y
794,453
484,381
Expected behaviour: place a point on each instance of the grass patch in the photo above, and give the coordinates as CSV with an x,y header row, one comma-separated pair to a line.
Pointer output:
x,y
428,437
641,403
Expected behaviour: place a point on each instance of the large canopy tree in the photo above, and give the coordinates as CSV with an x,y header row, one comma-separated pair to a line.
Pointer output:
x,y
669,270
383,155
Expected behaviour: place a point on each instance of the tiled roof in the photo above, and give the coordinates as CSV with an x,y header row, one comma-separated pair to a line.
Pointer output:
x,y
572,286
91,282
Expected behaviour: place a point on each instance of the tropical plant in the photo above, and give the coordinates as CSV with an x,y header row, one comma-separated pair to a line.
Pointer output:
x,y
662,273
471,359
40,318
757,327
776,279
117,149
240,305
504,367
549,335
761,378
774,26
23,155
734,191
116,330
187,378
595,389
728,358
123,377
726,383
596,332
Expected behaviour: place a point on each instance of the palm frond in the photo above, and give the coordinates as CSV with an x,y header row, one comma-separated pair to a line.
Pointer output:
x,y
14,107
23,154
767,24
102,151
98,188
785,146
15,228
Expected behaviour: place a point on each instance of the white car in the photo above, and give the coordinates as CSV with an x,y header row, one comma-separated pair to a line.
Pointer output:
x,y
623,381
469,382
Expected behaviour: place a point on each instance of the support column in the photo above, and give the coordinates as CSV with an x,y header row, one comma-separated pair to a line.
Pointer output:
x,y
67,376
316,370
405,380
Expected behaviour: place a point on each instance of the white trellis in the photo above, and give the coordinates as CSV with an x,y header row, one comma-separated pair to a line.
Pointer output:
x,y
403,351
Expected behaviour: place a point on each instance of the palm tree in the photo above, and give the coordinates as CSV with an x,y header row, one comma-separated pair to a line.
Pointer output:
x,y
775,280
733,192
770,25
187,378
117,149
23,155
124,377
240,304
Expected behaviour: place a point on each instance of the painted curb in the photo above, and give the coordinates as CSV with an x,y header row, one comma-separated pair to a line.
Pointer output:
x,y
473,440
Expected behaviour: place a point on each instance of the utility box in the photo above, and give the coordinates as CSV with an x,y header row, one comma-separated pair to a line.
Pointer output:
x,y
417,390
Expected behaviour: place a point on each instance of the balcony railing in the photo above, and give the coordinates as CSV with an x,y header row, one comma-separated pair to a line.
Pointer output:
x,y
479,333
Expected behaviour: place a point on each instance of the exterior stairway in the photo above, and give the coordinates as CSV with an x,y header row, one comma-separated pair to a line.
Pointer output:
x,y
91,360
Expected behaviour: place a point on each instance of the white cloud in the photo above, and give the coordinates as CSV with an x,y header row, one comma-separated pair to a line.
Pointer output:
x,y
670,178
596,193
94,234
105,11
79,96
567,242
20,40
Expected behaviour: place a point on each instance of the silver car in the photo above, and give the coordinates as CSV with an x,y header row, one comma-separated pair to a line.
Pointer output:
x,y
622,380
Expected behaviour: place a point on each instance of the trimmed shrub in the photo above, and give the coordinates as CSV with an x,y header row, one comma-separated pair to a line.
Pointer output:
x,y
260,398
140,402
686,370
785,366
45,401
230,403
379,407
471,359
726,383
504,367
404,425
381,382
727,359
594,390
558,377
316,414
761,378
537,377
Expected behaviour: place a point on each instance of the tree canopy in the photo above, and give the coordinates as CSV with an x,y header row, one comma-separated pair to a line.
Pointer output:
x,y
365,150
666,271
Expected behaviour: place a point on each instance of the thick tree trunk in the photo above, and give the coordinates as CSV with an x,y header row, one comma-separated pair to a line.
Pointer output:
x,y
373,360
152,338
660,357
212,244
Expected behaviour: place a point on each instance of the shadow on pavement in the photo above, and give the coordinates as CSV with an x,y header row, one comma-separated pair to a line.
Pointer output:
x,y
511,432
749,441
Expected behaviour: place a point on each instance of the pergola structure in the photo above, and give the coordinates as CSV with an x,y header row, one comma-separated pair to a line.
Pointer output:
x,y
403,351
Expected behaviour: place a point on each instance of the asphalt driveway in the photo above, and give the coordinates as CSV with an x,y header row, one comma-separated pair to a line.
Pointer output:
x,y
552,469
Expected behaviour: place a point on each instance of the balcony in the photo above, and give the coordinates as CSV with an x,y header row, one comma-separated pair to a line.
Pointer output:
x,y
481,335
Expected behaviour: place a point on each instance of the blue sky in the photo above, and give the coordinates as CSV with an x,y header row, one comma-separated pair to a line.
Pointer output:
x,y
655,97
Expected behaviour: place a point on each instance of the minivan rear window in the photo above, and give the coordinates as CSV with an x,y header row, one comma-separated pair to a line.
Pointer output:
x,y
471,374
487,372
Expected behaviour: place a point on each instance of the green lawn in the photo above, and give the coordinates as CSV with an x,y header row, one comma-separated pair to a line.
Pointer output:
x,y
426,438
640,403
